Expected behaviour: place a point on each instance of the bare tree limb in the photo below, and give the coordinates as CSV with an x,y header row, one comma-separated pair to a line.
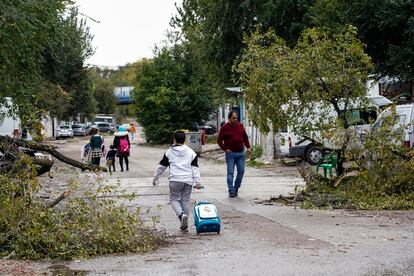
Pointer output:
x,y
51,149
59,199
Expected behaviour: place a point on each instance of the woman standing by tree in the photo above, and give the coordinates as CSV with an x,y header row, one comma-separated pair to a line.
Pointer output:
x,y
96,142
122,144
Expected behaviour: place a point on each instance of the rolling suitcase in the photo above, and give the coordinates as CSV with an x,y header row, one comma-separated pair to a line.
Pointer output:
x,y
206,218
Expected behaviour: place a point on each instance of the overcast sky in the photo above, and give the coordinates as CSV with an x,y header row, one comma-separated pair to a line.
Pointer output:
x,y
128,29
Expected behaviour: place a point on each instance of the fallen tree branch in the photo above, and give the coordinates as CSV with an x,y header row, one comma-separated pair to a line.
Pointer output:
x,y
344,176
11,255
59,199
51,149
303,172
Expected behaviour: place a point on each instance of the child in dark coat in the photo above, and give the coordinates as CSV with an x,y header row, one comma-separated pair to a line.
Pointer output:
x,y
110,158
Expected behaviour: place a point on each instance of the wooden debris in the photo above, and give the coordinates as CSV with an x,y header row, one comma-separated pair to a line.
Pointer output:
x,y
59,199
344,176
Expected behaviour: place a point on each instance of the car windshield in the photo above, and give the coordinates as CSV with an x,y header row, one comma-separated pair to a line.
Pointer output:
x,y
103,124
77,126
64,127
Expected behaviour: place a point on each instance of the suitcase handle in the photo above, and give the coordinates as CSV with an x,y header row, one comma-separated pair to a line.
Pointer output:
x,y
195,193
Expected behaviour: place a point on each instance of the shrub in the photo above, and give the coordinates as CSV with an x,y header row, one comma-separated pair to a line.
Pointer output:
x,y
256,152
86,225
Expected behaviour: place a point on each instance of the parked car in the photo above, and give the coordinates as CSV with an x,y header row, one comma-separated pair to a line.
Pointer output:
x,y
105,127
209,129
64,131
79,130
360,119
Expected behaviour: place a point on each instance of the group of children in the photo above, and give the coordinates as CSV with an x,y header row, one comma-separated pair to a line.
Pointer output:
x,y
95,149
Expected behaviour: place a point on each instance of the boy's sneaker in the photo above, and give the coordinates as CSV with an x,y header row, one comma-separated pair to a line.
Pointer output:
x,y
184,222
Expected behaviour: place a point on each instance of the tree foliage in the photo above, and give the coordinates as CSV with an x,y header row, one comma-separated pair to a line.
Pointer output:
x,y
283,83
303,85
102,88
387,166
386,27
216,28
170,93
383,179
43,45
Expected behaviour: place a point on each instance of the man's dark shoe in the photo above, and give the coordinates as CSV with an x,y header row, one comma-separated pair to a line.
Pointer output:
x,y
232,195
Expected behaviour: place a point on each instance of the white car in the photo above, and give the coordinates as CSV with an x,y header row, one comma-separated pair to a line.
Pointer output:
x,y
64,131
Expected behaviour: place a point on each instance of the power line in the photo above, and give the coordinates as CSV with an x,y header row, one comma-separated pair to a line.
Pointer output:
x,y
87,16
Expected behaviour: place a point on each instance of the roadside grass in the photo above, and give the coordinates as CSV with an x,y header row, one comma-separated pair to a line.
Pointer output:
x,y
255,164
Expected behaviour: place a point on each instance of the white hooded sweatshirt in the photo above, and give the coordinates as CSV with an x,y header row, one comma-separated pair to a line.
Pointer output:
x,y
183,165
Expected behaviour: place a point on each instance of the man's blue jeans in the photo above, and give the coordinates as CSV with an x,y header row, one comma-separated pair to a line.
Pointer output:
x,y
234,159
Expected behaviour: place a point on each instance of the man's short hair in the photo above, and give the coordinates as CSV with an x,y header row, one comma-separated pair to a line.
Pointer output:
x,y
231,114
179,137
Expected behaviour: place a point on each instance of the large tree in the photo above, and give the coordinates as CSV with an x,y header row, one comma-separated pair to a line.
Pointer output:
x,y
385,26
102,88
170,93
304,85
216,28
42,49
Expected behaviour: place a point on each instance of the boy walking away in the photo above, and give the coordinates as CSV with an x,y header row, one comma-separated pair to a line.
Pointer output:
x,y
184,172
110,158
122,145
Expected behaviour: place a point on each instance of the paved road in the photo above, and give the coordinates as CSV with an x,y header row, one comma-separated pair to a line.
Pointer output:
x,y
256,239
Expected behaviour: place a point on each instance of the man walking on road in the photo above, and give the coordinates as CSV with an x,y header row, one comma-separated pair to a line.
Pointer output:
x,y
184,173
232,139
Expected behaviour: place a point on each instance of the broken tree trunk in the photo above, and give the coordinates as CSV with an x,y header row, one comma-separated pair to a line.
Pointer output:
x,y
51,149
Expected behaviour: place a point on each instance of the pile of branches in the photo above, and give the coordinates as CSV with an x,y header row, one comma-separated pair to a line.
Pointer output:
x,y
311,195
